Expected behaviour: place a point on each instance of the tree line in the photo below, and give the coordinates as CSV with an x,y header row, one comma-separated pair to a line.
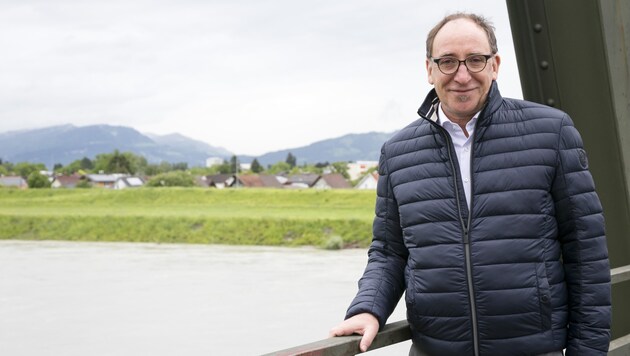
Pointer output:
x,y
163,173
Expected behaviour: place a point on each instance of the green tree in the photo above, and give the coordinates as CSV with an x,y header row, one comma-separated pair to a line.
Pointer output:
x,y
38,180
234,165
225,168
75,166
24,169
118,162
181,166
8,166
279,167
69,169
172,179
101,162
291,160
309,168
138,163
256,167
86,164
202,171
154,169
341,167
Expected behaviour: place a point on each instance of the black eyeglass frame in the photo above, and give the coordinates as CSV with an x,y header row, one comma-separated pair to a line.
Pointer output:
x,y
485,56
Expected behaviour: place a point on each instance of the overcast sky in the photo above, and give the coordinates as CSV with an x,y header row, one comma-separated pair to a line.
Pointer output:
x,y
251,76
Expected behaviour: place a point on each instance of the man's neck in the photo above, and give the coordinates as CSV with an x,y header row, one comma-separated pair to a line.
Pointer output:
x,y
460,121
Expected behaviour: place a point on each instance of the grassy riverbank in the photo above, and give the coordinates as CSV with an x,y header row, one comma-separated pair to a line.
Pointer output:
x,y
189,215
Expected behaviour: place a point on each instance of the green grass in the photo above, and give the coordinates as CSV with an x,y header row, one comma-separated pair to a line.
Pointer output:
x,y
189,215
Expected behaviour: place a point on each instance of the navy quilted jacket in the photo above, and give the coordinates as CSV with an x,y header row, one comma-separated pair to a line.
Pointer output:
x,y
491,280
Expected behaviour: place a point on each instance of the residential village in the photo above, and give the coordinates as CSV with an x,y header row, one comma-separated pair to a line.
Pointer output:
x,y
361,172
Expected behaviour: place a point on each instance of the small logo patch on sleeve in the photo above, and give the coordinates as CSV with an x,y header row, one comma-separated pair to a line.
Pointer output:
x,y
583,158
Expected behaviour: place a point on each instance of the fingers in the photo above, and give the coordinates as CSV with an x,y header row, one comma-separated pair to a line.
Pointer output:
x,y
337,331
345,329
362,324
368,336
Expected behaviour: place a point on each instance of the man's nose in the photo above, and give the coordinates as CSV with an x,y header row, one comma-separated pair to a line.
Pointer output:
x,y
462,75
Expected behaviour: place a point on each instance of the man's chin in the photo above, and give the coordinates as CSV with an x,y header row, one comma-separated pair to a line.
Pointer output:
x,y
462,98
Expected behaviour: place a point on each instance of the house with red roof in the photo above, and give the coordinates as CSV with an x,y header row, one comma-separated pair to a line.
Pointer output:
x,y
65,181
332,181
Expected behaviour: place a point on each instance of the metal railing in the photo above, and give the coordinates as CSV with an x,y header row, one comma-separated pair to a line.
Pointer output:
x,y
399,331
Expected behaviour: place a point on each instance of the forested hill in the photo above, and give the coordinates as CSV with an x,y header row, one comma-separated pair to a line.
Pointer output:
x,y
351,147
67,143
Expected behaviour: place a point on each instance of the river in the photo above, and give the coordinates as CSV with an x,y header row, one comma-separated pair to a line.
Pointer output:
x,y
83,298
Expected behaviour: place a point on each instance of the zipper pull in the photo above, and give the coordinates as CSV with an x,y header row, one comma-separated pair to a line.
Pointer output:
x,y
466,237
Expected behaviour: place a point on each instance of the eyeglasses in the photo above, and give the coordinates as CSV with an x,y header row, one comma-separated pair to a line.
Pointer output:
x,y
475,63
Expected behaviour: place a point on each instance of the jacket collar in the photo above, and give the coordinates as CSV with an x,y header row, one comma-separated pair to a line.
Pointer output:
x,y
428,109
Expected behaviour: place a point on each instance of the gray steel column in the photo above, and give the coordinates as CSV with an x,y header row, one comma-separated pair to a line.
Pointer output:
x,y
575,55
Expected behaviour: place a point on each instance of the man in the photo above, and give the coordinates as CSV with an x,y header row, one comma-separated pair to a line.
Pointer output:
x,y
487,217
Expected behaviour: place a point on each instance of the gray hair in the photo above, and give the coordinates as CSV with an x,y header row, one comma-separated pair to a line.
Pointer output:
x,y
481,21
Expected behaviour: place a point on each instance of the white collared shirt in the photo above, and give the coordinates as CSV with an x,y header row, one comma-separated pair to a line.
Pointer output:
x,y
462,146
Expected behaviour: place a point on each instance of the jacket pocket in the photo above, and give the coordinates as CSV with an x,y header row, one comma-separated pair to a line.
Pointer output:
x,y
544,296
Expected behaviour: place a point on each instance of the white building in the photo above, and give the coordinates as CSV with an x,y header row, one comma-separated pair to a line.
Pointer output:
x,y
359,168
369,181
104,180
128,182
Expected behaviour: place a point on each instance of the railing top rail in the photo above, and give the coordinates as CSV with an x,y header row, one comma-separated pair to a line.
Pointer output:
x,y
399,331
349,345
620,274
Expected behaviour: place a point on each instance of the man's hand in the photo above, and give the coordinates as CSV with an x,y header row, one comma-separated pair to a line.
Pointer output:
x,y
364,324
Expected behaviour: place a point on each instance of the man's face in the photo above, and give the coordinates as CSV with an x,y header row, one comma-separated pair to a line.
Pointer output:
x,y
462,94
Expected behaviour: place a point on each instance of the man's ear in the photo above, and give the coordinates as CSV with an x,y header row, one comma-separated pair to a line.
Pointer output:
x,y
429,71
496,62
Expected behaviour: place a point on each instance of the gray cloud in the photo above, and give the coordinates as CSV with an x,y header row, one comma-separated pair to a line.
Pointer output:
x,y
224,71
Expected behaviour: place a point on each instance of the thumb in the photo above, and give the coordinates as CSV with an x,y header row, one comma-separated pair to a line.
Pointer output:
x,y
368,336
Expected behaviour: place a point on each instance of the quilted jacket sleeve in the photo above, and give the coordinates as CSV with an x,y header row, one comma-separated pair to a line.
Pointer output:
x,y
584,251
383,282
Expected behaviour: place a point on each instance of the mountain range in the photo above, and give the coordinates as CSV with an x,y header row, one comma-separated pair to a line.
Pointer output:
x,y
67,143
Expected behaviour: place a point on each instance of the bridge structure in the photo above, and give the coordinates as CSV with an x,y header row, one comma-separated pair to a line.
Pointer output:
x,y
573,55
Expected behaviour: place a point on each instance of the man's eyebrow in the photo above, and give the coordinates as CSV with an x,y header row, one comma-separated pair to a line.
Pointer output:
x,y
450,54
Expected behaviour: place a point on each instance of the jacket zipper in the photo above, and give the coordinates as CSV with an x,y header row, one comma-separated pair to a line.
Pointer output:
x,y
466,238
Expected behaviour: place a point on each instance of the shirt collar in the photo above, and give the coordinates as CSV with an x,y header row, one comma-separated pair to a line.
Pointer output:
x,y
445,122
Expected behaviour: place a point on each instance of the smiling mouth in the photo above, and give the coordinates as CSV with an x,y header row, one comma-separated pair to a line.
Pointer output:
x,y
462,91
